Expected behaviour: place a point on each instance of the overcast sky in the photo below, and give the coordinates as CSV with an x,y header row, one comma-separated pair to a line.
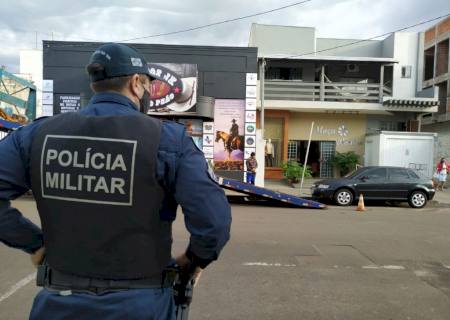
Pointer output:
x,y
115,20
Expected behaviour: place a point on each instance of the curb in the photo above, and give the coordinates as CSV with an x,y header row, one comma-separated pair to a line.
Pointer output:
x,y
437,204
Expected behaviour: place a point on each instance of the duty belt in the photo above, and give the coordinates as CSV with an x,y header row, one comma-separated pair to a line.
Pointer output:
x,y
61,281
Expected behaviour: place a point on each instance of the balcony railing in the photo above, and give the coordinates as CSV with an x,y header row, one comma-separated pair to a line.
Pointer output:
x,y
325,91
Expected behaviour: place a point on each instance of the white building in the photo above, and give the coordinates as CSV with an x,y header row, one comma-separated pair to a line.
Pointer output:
x,y
31,67
349,88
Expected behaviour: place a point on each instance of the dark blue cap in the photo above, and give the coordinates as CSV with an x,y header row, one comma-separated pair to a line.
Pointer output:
x,y
117,60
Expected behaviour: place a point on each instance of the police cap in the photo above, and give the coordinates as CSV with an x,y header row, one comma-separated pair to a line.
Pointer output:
x,y
116,60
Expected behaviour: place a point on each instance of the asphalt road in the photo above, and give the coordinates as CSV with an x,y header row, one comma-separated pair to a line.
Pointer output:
x,y
386,263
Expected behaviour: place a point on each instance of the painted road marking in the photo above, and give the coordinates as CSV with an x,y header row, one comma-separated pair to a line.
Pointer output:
x,y
265,264
389,267
18,285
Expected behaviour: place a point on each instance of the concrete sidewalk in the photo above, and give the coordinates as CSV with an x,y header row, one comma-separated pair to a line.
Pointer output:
x,y
442,197
284,187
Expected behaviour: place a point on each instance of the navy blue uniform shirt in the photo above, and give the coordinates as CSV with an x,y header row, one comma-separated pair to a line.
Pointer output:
x,y
181,170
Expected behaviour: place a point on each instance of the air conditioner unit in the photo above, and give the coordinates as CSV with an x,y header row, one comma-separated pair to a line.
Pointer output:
x,y
352,67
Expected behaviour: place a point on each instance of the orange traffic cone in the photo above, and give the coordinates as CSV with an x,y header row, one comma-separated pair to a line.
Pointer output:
x,y
361,206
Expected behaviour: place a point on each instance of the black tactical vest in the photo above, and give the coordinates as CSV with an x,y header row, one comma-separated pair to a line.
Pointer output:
x,y
97,195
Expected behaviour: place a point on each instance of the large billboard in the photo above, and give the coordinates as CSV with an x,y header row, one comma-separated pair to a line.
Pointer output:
x,y
229,120
175,89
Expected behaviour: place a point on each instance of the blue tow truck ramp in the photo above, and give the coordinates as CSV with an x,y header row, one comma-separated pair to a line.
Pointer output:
x,y
266,195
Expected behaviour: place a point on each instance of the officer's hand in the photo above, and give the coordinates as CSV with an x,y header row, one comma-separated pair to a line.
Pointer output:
x,y
197,275
182,260
37,257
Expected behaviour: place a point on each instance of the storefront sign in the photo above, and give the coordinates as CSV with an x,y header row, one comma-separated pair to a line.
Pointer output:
x,y
175,87
47,98
208,127
250,104
67,103
250,128
340,132
47,85
229,134
208,152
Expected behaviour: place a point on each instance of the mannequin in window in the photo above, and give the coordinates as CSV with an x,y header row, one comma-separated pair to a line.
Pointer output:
x,y
269,152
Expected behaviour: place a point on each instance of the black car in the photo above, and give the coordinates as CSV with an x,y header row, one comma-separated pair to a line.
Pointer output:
x,y
377,183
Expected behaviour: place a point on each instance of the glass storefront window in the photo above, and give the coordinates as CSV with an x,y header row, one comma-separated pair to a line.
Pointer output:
x,y
273,131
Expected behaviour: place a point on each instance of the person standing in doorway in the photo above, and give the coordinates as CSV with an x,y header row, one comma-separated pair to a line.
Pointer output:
x,y
443,167
252,164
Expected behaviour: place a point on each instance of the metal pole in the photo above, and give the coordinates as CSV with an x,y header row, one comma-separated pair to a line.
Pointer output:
x,y
261,94
381,84
322,83
306,157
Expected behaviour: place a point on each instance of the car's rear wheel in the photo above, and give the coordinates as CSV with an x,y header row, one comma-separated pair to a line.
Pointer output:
x,y
417,199
343,197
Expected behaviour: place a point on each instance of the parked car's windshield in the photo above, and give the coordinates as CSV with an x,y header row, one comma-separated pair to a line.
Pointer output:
x,y
355,173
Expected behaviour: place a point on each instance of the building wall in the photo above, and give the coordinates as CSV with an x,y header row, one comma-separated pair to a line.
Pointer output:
x,y
31,64
443,139
273,39
372,48
438,30
437,41
326,128
221,70
375,123
406,46
388,47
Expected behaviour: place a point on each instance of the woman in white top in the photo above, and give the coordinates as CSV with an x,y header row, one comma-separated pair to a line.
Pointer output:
x,y
443,168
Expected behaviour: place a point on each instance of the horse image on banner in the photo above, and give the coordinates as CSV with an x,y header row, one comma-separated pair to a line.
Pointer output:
x,y
230,143
229,138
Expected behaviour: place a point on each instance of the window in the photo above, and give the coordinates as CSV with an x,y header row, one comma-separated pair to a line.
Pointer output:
x,y
276,73
398,174
413,175
406,71
391,126
376,174
292,150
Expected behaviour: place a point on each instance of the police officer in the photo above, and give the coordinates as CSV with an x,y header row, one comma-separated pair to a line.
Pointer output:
x,y
107,182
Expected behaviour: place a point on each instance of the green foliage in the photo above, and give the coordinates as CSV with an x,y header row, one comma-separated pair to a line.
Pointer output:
x,y
293,171
345,161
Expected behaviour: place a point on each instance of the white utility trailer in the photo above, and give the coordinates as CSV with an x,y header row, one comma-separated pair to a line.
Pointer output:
x,y
413,150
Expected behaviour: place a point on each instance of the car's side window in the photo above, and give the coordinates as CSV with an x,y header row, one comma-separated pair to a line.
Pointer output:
x,y
398,174
376,174
413,175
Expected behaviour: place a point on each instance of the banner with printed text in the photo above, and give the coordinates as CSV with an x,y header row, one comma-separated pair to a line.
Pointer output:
x,y
229,119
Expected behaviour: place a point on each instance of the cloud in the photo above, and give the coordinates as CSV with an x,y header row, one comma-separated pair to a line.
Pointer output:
x,y
114,20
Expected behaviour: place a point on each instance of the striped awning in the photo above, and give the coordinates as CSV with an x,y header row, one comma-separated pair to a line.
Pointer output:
x,y
412,102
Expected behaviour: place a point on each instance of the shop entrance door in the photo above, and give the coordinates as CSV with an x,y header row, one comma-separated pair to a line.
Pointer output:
x,y
297,152
327,151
